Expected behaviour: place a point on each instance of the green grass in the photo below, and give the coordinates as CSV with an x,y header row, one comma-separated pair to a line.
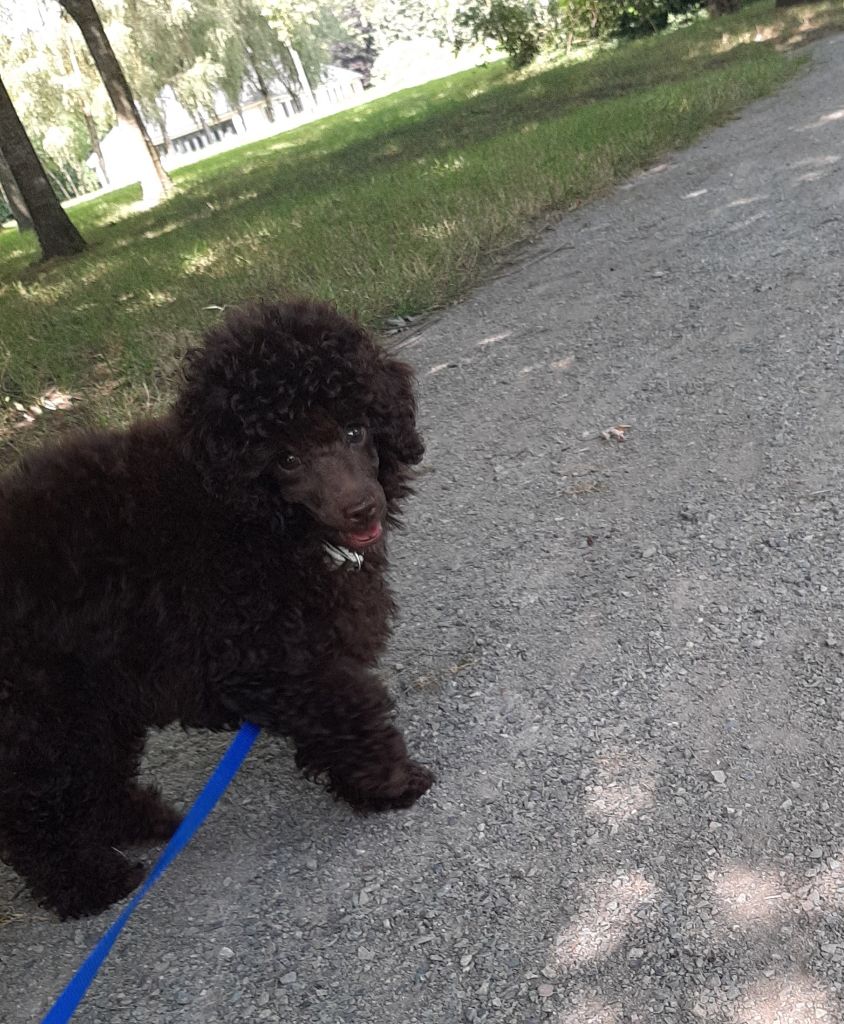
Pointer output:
x,y
393,207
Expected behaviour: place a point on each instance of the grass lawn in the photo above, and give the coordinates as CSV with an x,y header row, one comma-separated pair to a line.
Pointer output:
x,y
394,207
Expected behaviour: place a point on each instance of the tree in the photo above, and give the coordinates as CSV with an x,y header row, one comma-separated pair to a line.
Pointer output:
x,y
357,48
174,32
393,21
155,183
519,27
305,29
718,7
13,196
56,234
57,93
201,49
78,91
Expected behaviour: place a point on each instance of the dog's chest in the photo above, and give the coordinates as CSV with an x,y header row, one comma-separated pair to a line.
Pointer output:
x,y
341,613
349,611
292,613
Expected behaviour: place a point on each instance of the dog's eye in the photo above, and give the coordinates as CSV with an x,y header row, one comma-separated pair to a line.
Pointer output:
x,y
354,434
290,462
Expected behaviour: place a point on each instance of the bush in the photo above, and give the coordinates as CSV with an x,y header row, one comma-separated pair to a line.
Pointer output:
x,y
607,19
523,28
645,17
518,28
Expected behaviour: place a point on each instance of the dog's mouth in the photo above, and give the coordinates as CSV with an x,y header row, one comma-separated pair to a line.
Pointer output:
x,y
362,538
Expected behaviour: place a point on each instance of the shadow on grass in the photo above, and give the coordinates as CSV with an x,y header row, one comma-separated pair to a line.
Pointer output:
x,y
411,126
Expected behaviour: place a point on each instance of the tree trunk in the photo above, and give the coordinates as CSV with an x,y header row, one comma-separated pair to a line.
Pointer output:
x,y
13,196
94,139
155,184
206,131
166,141
60,183
305,85
56,234
71,180
262,87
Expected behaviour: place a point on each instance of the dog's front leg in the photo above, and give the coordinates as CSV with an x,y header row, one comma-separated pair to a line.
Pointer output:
x,y
341,722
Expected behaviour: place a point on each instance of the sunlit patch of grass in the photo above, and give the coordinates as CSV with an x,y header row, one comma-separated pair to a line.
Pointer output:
x,y
165,229
393,207
158,298
199,262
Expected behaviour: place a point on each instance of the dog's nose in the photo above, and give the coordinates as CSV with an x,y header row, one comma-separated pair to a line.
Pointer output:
x,y
362,513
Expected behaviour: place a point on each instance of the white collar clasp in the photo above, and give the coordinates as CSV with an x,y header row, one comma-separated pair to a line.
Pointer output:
x,y
341,557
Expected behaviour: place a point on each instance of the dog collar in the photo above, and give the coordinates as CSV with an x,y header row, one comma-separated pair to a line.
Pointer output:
x,y
341,557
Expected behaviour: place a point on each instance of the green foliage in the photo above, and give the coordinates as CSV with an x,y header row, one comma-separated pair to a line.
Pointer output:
x,y
197,47
603,19
524,28
202,46
59,97
305,26
518,27
400,21
389,40
63,149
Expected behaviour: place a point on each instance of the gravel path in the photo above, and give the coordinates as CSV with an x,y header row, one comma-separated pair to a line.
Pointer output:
x,y
624,660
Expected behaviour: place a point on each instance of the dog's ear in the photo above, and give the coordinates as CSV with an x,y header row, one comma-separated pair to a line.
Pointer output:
x,y
394,410
221,431
208,423
393,415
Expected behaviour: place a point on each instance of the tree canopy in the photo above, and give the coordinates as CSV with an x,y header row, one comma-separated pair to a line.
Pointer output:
x,y
200,47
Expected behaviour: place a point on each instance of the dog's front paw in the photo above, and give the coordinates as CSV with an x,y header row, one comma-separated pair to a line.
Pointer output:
x,y
419,781
104,877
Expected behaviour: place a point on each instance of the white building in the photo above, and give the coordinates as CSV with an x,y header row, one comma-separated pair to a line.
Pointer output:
x,y
254,117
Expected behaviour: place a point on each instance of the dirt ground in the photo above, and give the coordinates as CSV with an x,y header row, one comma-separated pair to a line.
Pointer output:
x,y
622,657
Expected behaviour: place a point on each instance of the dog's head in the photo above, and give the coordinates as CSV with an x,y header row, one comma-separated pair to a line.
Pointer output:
x,y
293,406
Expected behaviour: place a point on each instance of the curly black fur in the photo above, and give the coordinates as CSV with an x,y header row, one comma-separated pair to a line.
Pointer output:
x,y
175,572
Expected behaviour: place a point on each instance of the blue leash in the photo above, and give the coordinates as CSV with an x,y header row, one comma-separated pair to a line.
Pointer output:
x,y
65,1006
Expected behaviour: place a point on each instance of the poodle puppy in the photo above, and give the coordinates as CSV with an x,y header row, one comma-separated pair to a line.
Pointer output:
x,y
224,563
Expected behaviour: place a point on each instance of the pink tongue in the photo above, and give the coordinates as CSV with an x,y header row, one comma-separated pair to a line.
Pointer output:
x,y
365,536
